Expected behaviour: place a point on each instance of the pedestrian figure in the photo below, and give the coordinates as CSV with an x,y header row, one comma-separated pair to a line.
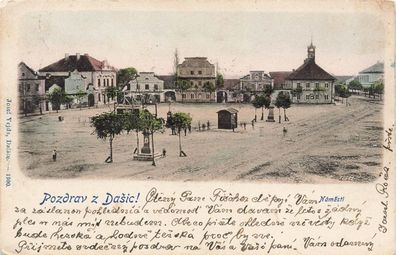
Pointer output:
x,y
252,123
135,151
284,131
286,118
203,126
208,124
244,125
199,126
241,124
54,155
189,128
164,152
185,131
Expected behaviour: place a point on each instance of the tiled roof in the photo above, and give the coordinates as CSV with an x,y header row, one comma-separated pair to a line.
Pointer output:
x,y
196,62
27,67
231,83
279,77
376,68
310,71
169,81
230,110
85,63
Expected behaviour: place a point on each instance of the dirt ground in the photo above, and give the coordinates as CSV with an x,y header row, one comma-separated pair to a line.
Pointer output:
x,y
323,144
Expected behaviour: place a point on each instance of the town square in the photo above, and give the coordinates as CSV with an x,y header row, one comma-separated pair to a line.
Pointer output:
x,y
312,113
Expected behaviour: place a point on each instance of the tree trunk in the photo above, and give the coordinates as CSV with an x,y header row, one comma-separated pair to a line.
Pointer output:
x,y
262,113
255,114
180,147
137,140
279,116
152,145
284,113
111,148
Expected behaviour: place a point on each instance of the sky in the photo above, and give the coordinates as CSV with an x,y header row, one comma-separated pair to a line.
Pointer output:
x,y
237,42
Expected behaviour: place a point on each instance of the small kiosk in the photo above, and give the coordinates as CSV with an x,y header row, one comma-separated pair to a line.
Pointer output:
x,y
227,118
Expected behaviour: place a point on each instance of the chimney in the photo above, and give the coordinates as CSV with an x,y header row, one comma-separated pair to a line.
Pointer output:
x,y
66,56
78,56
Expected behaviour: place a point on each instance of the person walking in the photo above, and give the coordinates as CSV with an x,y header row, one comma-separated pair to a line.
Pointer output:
x,y
252,123
54,154
164,152
244,125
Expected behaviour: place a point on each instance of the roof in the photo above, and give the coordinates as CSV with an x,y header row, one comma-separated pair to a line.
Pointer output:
x,y
376,68
169,81
27,67
343,78
310,71
231,84
196,62
229,109
84,63
279,77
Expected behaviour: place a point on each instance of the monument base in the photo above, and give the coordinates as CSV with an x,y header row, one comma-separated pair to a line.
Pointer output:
x,y
146,157
270,120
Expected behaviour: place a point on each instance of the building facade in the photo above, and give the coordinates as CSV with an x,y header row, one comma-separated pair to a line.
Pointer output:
x,y
31,90
197,71
97,75
147,87
311,84
256,82
370,75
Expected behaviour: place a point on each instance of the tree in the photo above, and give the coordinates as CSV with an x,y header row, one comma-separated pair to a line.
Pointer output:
x,y
209,87
79,96
261,101
181,121
283,101
108,125
151,124
111,93
343,92
57,97
379,88
355,85
256,104
219,81
125,75
183,85
131,123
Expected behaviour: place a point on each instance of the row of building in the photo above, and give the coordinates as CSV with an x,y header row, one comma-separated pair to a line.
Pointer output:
x,y
76,74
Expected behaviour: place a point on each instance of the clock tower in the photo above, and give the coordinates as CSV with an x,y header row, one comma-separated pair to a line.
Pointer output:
x,y
311,51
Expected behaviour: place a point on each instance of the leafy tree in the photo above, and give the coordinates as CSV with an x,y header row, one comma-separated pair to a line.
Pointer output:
x,y
268,90
181,121
58,97
183,85
379,88
151,124
342,91
79,96
256,104
261,101
108,125
283,101
355,85
125,75
219,81
209,87
131,123
297,92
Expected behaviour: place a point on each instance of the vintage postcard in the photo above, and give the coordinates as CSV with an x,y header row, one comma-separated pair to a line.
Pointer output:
x,y
197,127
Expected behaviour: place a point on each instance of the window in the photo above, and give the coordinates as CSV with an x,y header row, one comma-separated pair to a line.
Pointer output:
x,y
298,84
307,84
317,85
112,82
317,96
326,85
99,84
99,97
23,74
192,72
37,87
298,96
307,97
199,95
192,96
108,82
146,78
326,97
200,83
184,96
155,86
27,87
312,97
137,86
199,72
207,96
146,87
